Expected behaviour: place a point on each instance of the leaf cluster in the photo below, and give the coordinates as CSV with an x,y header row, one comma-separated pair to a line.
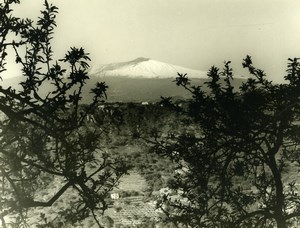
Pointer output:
x,y
45,135
235,168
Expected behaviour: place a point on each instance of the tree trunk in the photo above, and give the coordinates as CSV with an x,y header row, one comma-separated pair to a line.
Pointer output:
x,y
281,222
279,204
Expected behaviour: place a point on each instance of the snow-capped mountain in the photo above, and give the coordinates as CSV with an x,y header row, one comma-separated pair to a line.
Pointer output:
x,y
138,80
144,68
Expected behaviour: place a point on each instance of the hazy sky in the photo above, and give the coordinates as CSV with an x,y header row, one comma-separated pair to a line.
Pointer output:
x,y
190,33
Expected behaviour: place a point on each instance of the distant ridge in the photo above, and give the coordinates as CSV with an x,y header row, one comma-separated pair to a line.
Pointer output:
x,y
139,80
144,68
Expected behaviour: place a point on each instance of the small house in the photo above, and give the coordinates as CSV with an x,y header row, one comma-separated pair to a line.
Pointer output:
x,y
115,196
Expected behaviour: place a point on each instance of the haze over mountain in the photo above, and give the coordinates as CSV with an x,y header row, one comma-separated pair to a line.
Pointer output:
x,y
145,79
144,68
139,80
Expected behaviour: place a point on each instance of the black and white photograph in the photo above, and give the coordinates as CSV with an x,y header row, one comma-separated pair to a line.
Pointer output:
x,y
149,114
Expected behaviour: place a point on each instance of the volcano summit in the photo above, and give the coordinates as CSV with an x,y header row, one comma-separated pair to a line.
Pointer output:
x,y
144,68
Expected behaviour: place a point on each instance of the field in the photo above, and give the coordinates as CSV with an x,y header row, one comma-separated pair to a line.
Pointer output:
x,y
131,210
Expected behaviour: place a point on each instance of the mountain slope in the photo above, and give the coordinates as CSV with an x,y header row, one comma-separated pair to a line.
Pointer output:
x,y
138,80
144,68
122,89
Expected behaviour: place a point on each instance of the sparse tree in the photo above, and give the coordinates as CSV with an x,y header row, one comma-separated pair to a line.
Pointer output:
x,y
45,140
240,168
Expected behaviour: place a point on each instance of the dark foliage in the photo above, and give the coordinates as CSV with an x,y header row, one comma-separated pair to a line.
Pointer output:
x,y
46,137
240,169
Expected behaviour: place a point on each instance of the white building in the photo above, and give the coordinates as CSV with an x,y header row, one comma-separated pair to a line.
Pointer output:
x,y
115,196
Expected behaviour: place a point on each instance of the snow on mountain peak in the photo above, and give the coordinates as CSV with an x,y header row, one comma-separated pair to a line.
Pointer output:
x,y
144,68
